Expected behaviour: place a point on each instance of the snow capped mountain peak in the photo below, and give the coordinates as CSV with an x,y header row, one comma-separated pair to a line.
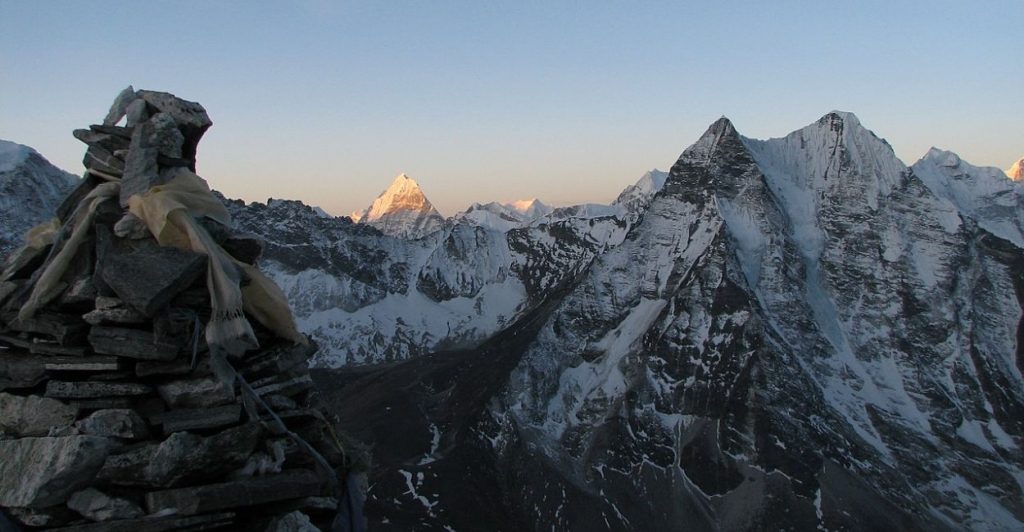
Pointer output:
x,y
402,210
13,154
30,190
982,193
404,193
1016,171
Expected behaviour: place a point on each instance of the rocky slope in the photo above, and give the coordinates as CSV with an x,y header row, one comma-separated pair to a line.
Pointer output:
x,y
797,333
30,190
402,210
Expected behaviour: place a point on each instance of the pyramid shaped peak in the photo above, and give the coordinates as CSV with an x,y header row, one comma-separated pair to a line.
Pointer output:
x,y
1016,170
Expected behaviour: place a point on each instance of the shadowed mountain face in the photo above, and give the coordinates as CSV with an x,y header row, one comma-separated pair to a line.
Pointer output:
x,y
795,333
30,190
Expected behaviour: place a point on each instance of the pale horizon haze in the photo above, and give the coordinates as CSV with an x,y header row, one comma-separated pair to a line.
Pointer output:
x,y
326,102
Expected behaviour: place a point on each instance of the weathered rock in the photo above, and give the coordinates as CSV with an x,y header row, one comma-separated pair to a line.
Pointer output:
x,y
131,343
190,118
131,226
102,403
114,423
113,315
216,521
55,349
120,105
183,457
136,113
40,472
51,516
95,505
110,143
178,366
33,415
289,387
141,171
106,303
82,291
150,276
80,363
200,418
292,522
97,158
63,328
18,371
91,390
196,393
248,492
162,133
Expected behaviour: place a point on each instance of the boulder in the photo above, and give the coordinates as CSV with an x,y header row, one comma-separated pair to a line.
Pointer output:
x,y
95,505
41,472
33,415
114,423
183,457
196,393
292,522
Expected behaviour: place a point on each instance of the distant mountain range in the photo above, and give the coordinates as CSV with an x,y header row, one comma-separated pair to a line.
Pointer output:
x,y
796,333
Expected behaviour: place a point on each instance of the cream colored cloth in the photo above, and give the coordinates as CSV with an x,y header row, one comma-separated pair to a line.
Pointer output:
x,y
48,285
169,212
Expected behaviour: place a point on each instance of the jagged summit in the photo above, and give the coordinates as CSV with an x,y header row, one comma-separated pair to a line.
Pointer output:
x,y
1016,171
402,210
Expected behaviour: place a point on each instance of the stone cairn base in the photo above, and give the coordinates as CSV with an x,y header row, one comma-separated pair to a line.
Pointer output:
x,y
111,417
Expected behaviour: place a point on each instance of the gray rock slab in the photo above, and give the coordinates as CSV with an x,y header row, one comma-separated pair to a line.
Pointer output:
x,y
248,492
54,349
41,472
102,403
95,505
177,367
183,457
148,278
81,363
295,521
120,105
113,315
196,393
65,329
19,371
141,171
114,423
200,418
217,521
33,415
51,516
131,343
94,389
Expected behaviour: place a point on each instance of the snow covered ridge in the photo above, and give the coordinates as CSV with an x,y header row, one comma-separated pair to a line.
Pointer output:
x,y
799,319
30,190
370,297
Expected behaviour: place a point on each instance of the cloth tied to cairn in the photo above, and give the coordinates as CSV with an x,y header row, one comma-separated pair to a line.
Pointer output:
x,y
169,212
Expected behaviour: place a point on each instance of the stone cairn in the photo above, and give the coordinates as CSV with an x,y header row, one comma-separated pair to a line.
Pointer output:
x,y
113,414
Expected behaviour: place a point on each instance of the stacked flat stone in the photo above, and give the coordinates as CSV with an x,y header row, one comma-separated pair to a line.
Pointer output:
x,y
110,415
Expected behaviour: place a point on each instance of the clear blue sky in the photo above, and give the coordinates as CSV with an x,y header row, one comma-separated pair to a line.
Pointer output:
x,y
327,101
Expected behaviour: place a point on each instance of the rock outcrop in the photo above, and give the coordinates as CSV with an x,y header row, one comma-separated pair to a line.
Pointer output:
x,y
117,409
